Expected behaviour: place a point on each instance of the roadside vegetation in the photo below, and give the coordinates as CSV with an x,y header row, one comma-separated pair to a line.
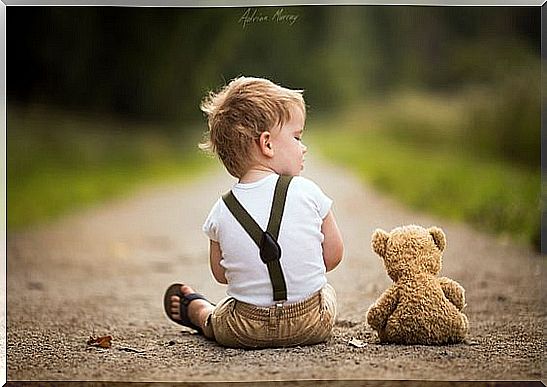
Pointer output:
x,y
59,161
463,156
453,155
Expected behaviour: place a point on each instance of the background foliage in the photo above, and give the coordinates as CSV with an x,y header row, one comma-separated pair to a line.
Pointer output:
x,y
97,87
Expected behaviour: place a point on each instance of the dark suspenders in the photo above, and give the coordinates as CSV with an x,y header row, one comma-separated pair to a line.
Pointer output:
x,y
270,251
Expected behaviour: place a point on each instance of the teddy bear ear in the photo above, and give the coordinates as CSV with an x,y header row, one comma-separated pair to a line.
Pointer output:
x,y
379,241
438,237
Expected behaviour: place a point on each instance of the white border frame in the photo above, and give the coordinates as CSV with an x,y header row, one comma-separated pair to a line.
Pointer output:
x,y
201,4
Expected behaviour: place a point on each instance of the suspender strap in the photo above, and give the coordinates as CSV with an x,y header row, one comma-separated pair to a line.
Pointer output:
x,y
278,205
278,280
243,217
270,251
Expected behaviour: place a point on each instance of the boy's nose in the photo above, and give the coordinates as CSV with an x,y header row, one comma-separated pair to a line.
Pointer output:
x,y
304,147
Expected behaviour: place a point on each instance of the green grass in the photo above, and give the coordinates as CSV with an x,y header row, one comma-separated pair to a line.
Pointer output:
x,y
437,176
411,146
59,162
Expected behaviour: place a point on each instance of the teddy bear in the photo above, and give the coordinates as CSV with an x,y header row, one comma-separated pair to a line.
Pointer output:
x,y
419,307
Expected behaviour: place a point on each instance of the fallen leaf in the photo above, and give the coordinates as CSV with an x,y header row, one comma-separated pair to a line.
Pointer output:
x,y
103,341
357,343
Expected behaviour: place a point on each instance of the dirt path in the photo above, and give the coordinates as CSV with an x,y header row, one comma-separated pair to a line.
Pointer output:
x,y
104,271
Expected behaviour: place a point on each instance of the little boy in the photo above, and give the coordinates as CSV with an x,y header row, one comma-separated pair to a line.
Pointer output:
x,y
255,128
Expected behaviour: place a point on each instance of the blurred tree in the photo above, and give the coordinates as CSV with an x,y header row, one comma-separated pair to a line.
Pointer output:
x,y
157,63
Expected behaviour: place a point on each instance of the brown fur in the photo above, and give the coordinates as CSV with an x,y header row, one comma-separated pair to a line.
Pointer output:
x,y
419,307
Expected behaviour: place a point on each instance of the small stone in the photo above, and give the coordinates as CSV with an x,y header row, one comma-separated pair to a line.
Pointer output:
x,y
356,343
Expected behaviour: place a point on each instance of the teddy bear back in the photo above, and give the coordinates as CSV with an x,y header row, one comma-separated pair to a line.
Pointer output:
x,y
410,250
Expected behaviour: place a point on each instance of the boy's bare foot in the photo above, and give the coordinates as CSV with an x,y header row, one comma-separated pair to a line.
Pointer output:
x,y
198,310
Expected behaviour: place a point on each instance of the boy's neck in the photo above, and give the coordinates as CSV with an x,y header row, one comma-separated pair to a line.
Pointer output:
x,y
255,174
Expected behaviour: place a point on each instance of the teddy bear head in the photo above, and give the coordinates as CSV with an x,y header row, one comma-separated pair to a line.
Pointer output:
x,y
410,250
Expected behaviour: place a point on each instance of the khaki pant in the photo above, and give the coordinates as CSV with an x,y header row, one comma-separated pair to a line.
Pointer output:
x,y
240,325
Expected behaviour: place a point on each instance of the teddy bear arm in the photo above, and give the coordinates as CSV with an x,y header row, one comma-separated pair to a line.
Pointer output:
x,y
453,291
380,311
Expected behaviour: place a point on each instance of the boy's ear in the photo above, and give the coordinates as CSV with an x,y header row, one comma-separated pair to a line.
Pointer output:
x,y
264,142
379,241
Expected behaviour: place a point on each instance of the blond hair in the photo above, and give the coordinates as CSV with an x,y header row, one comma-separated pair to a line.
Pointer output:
x,y
240,112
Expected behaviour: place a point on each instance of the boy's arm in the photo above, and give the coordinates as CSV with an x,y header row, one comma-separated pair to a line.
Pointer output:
x,y
215,255
333,246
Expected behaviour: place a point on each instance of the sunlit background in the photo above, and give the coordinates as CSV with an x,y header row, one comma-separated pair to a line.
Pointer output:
x,y
437,106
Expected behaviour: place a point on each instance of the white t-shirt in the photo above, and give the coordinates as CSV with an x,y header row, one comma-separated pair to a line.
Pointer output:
x,y
300,239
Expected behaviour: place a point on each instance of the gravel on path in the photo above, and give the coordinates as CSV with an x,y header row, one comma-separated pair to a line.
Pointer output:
x,y
104,270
